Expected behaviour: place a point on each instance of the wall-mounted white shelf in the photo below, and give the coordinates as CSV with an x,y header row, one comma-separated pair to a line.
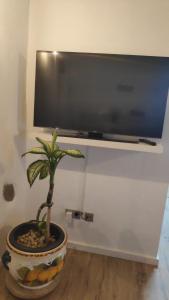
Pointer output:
x,y
102,144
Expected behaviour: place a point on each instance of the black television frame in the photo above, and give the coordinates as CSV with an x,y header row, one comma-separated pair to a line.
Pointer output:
x,y
94,134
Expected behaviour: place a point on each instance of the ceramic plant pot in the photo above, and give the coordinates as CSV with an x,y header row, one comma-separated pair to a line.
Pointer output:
x,y
35,268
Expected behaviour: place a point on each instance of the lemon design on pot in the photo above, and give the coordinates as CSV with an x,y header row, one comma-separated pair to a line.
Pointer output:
x,y
40,274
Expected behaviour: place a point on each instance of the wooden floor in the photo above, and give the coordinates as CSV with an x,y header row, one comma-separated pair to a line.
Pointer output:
x,y
95,277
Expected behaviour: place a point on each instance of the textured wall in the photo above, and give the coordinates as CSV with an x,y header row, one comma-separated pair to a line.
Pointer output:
x,y
125,190
13,41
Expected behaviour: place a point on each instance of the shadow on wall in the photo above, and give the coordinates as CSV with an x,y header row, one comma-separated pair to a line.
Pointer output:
x,y
21,108
128,240
20,143
20,138
123,242
120,163
130,164
3,234
1,169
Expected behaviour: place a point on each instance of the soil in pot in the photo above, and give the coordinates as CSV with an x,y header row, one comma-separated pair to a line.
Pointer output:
x,y
28,233
34,239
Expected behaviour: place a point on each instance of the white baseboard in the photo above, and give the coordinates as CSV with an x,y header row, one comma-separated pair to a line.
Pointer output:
x,y
137,257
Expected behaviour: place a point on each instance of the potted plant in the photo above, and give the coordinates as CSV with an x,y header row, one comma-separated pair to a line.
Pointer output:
x,y
36,249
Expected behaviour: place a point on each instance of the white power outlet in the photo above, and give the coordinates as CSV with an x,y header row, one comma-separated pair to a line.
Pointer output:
x,y
78,215
68,217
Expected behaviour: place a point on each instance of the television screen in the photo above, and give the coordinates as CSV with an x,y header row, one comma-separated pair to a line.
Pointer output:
x,y
104,93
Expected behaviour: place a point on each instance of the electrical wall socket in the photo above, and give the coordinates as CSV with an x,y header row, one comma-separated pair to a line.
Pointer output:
x,y
88,217
77,214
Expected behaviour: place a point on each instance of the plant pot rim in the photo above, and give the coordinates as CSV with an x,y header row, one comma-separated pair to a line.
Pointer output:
x,y
35,252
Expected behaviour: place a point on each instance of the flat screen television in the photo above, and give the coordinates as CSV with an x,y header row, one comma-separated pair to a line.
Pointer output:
x,y
102,93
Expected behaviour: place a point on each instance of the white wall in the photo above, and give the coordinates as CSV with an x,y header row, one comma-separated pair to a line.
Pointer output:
x,y
125,190
13,49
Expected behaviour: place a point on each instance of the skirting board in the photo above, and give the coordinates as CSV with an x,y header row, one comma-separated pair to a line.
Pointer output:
x,y
114,253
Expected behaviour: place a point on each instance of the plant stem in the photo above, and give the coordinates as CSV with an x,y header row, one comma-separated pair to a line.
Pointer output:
x,y
48,224
49,205
43,205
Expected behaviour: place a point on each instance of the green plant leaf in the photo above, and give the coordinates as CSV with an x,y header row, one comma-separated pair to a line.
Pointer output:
x,y
74,153
58,154
42,226
46,145
43,168
44,172
53,147
35,150
34,169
